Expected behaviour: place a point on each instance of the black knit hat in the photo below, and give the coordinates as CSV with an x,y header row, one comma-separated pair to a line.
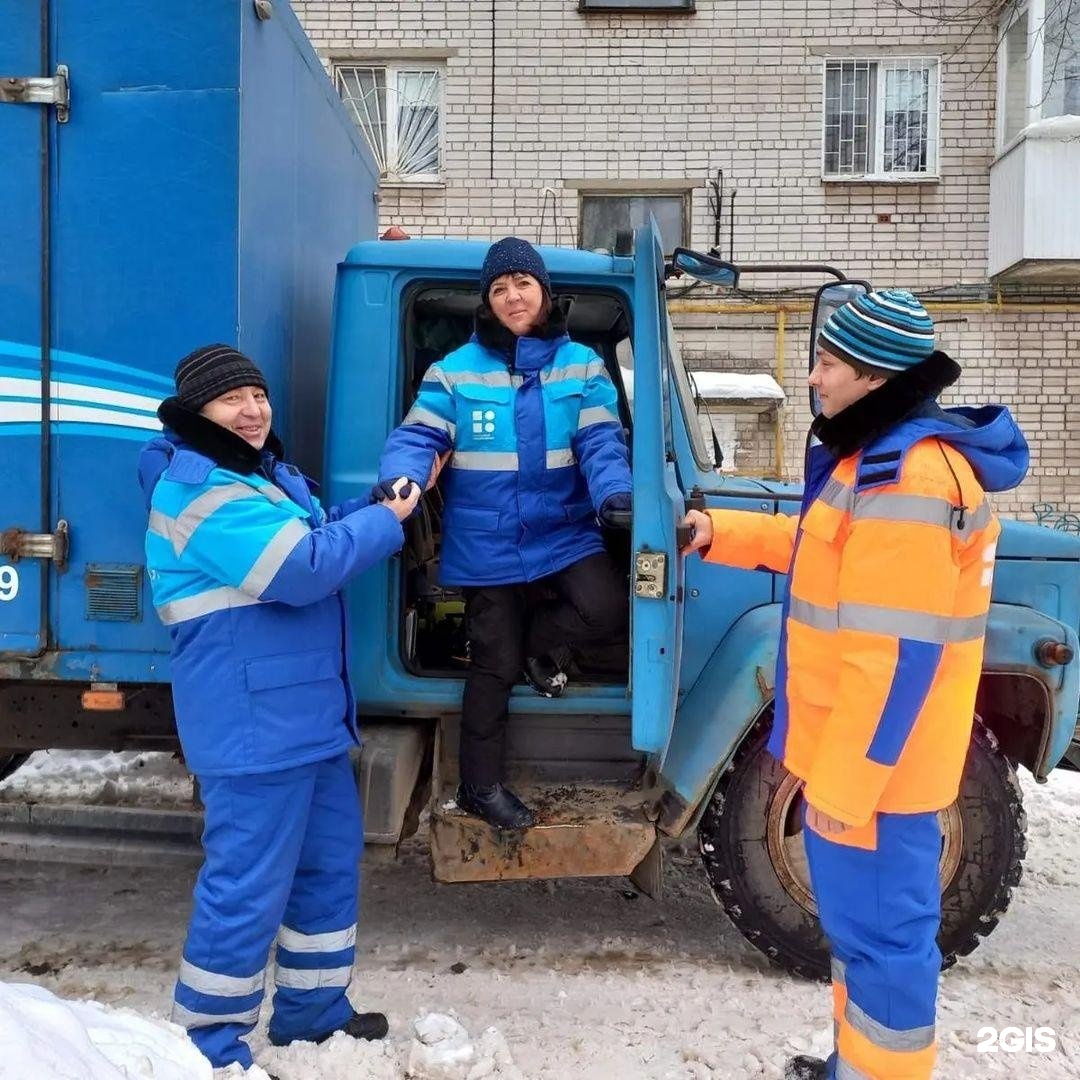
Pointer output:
x,y
512,255
210,371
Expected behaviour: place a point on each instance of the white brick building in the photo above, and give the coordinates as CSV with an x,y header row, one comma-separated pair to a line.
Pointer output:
x,y
852,132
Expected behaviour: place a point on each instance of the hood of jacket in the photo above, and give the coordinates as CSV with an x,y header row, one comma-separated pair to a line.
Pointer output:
x,y
905,410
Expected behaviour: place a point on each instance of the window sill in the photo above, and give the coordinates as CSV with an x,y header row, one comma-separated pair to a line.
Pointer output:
x,y
399,185
886,178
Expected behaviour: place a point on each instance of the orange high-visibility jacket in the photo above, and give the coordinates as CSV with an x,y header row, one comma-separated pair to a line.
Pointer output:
x,y
882,648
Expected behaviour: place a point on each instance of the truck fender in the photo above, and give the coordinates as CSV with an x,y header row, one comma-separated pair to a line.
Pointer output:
x,y
1031,708
735,687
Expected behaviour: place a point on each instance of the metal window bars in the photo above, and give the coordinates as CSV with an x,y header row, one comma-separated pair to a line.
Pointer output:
x,y
880,117
398,110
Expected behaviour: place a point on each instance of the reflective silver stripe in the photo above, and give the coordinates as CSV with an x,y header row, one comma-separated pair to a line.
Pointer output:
x,y
331,941
188,1019
982,516
210,982
199,509
581,372
918,509
476,378
846,1071
916,625
836,494
560,459
820,618
311,978
908,1039
494,461
596,415
204,603
160,524
273,556
419,415
839,972
274,494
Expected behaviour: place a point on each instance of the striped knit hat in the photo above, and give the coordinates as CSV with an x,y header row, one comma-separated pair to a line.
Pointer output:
x,y
212,370
888,329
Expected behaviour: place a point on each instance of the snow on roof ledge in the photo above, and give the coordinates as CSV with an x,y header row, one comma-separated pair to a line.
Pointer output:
x,y
734,386
1054,127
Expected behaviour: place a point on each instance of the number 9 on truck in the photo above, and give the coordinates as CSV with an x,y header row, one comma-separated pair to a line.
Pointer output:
x,y
9,583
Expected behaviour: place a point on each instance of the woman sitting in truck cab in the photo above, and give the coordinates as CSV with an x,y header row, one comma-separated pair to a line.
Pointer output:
x,y
530,419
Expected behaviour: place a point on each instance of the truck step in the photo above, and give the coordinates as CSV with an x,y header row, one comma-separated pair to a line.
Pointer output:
x,y
581,831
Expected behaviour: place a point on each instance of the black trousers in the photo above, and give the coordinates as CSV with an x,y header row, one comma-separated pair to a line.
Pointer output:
x,y
582,610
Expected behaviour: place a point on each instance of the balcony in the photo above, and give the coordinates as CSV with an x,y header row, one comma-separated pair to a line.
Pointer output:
x,y
1034,209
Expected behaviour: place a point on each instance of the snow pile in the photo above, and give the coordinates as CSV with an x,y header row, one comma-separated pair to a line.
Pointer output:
x,y
133,778
43,1035
443,1050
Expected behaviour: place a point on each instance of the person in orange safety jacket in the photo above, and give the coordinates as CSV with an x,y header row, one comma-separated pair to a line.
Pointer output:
x,y
890,566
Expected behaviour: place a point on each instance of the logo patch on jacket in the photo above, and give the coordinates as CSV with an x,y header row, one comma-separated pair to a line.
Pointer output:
x,y
483,424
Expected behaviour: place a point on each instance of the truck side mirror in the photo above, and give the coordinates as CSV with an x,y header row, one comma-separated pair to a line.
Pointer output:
x,y
707,268
826,300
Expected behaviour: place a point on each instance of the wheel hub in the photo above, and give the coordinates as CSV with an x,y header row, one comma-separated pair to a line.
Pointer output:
x,y
787,851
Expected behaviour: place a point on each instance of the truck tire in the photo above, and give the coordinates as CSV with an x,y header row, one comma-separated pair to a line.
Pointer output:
x,y
9,762
758,874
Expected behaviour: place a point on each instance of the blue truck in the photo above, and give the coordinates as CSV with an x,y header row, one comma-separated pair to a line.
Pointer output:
x,y
164,189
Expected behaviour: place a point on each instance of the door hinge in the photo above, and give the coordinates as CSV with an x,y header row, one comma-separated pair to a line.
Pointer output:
x,y
650,575
39,90
18,544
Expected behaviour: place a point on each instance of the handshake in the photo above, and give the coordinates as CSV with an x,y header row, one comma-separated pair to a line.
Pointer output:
x,y
402,495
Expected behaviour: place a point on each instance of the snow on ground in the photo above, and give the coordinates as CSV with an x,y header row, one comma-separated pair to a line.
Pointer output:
x,y
132,778
44,1036
582,979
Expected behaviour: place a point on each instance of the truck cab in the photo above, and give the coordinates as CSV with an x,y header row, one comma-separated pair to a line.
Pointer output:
x,y
676,744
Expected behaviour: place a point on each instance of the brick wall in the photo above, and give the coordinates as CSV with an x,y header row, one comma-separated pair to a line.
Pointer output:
x,y
628,98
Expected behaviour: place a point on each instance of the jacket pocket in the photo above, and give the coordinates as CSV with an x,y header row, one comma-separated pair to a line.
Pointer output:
x,y
562,390
295,669
474,518
494,395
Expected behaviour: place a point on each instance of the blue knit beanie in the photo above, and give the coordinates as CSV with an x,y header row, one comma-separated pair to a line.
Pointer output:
x,y
508,256
890,330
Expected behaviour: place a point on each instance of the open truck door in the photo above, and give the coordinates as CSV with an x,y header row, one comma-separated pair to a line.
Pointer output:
x,y
656,567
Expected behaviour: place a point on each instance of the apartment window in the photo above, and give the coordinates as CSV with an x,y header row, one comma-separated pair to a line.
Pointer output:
x,y
1038,65
398,108
1061,60
880,119
1014,77
605,214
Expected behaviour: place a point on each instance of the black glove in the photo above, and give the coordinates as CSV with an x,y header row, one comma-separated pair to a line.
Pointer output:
x,y
615,510
384,491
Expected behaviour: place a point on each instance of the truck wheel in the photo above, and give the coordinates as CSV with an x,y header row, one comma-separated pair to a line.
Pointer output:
x,y
752,846
9,762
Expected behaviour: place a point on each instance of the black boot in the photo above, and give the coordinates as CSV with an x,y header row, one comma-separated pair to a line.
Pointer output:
x,y
805,1067
545,676
368,1026
496,805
